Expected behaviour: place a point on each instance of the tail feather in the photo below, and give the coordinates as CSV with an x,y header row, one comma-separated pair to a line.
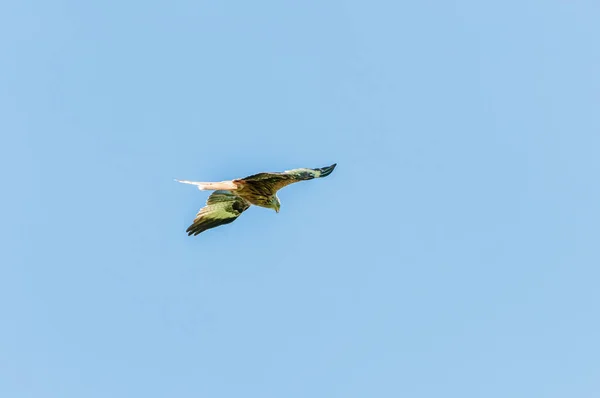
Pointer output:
x,y
211,186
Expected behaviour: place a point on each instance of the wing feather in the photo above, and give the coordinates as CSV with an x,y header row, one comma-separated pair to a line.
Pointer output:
x,y
276,181
222,207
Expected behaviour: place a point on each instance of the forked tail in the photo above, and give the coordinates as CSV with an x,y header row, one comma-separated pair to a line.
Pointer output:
x,y
211,186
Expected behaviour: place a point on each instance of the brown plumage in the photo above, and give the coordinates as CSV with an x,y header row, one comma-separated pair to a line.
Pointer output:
x,y
231,198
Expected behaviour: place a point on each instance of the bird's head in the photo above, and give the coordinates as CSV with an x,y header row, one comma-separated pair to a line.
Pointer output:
x,y
275,203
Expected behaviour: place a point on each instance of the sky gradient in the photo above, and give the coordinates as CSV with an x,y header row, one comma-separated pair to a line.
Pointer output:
x,y
452,253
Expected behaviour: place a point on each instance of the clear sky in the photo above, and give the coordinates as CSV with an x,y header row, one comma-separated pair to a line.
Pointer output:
x,y
454,252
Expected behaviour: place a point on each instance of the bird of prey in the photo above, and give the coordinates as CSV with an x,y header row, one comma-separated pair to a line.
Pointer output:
x,y
232,198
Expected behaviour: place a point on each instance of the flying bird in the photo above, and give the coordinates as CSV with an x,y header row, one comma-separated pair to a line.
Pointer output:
x,y
232,198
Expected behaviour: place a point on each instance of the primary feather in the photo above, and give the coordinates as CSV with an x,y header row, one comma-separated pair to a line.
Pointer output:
x,y
222,207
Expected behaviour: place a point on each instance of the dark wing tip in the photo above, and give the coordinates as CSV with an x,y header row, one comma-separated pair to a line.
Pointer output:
x,y
202,225
325,171
193,230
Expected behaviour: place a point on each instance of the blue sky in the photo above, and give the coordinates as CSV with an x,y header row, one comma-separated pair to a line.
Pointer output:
x,y
452,253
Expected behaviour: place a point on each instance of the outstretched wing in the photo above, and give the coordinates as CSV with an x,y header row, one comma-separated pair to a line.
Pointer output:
x,y
275,181
222,207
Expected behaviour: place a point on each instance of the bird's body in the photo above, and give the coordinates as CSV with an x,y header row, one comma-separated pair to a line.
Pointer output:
x,y
232,198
